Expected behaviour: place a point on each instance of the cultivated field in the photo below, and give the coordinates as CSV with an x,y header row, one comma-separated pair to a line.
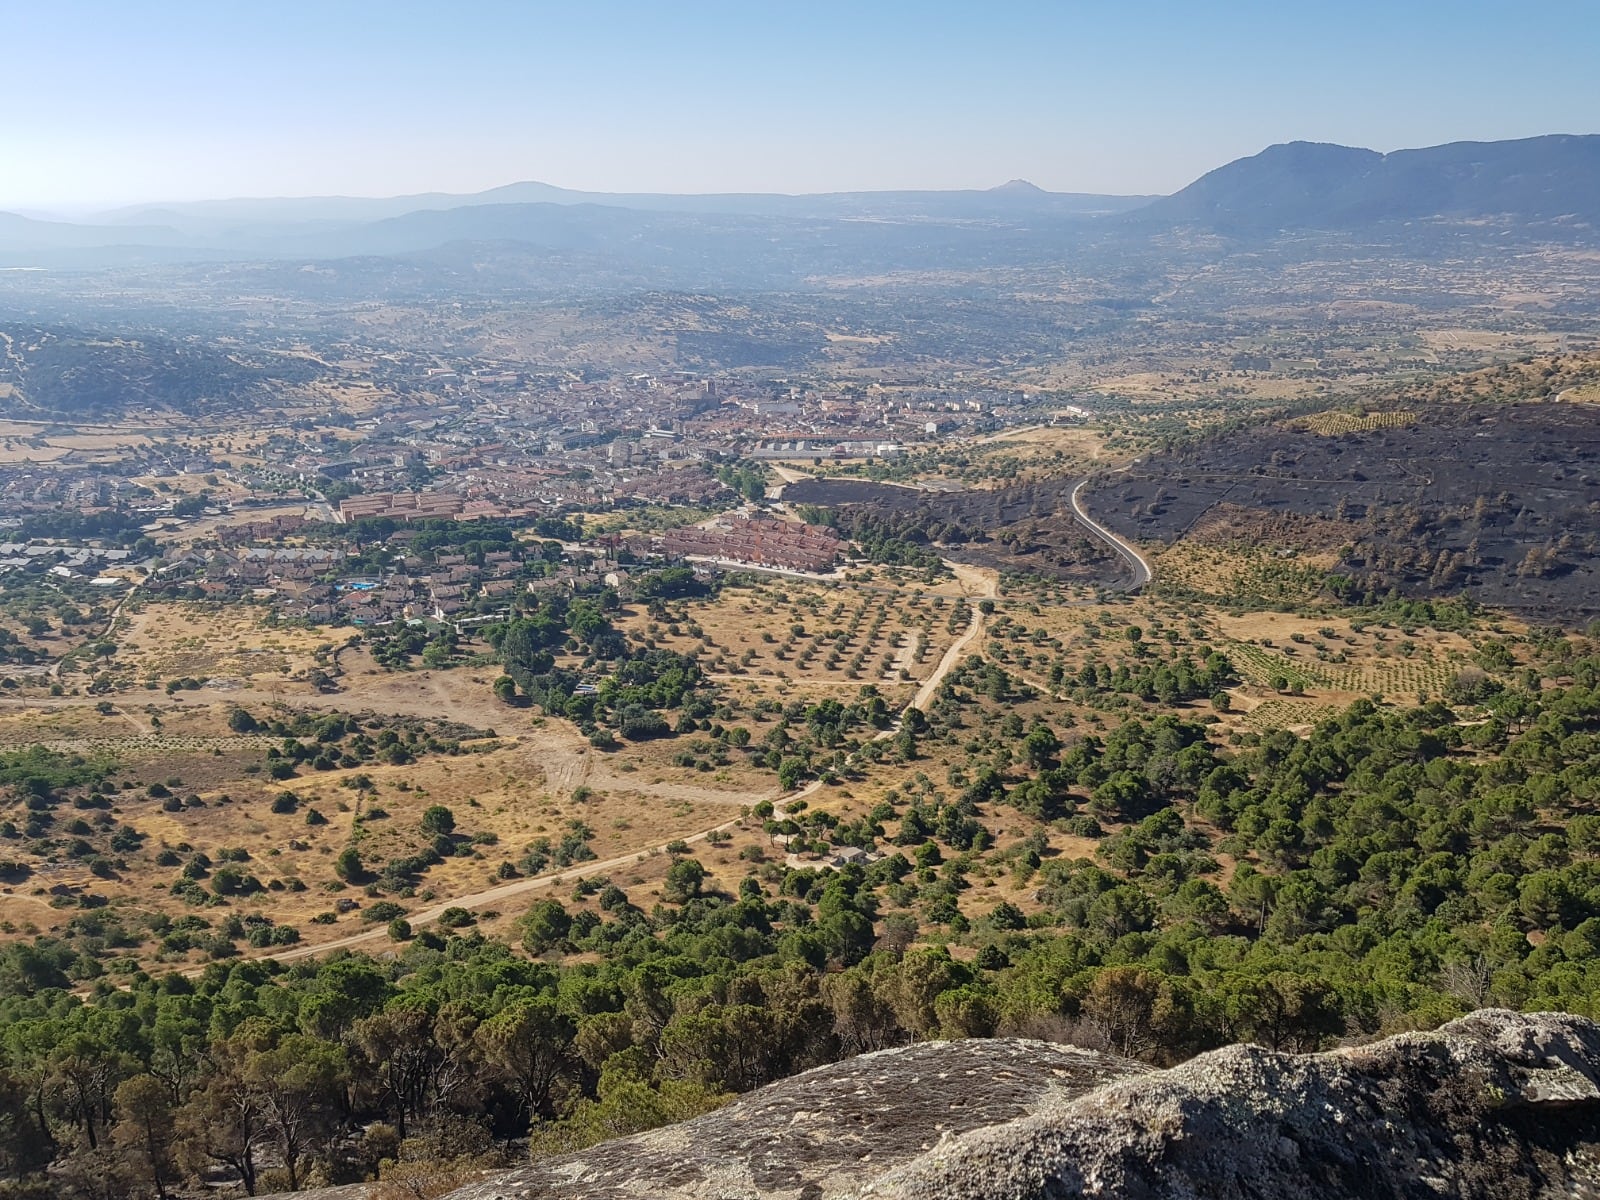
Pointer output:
x,y
813,634
1335,424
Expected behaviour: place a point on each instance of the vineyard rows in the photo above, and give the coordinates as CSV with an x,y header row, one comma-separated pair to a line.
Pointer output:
x,y
1420,673
1332,424
149,744
1287,714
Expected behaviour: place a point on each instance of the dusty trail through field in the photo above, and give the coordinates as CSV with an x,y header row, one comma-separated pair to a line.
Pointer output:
x,y
564,756
105,634
988,583
573,765
555,749
493,895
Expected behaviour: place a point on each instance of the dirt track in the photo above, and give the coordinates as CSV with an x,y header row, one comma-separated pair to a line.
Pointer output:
x,y
990,585
565,757
487,896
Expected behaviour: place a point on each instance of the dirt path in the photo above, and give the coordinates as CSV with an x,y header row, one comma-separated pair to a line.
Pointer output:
x,y
105,634
905,658
560,752
989,582
488,896
992,438
567,761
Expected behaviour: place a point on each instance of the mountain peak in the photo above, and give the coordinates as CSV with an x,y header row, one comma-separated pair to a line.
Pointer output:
x,y
1020,186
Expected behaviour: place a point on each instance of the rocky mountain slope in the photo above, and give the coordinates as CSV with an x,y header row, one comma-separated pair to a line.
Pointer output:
x,y
1312,185
1497,1104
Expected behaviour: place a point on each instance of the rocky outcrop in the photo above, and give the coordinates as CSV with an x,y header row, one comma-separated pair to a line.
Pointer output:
x,y
1496,1105
820,1135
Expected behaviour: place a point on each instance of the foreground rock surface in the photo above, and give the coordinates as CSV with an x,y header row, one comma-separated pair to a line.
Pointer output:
x,y
1497,1104
821,1134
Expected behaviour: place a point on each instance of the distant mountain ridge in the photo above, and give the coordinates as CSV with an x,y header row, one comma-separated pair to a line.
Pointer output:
x,y
212,216
1314,185
1544,186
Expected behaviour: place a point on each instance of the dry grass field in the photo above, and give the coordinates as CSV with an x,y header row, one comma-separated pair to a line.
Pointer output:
x,y
163,641
532,779
14,453
1043,452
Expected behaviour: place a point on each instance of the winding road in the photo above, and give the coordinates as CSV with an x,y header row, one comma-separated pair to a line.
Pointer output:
x,y
1137,563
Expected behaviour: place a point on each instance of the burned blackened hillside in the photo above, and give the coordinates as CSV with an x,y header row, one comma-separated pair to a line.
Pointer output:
x,y
1495,500
1029,529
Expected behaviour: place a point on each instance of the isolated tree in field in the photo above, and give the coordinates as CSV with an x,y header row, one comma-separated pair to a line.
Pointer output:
x,y
544,925
438,820
348,866
790,772
684,881
1040,746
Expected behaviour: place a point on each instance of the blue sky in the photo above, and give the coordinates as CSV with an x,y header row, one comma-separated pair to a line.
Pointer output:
x,y
111,103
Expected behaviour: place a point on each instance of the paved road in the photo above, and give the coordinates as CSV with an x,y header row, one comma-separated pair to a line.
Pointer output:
x,y
1137,563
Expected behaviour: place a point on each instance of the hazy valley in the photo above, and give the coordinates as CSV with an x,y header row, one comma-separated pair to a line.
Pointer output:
x,y
485,675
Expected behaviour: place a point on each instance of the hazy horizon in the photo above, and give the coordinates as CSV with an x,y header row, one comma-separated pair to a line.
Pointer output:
x,y
118,106
81,211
